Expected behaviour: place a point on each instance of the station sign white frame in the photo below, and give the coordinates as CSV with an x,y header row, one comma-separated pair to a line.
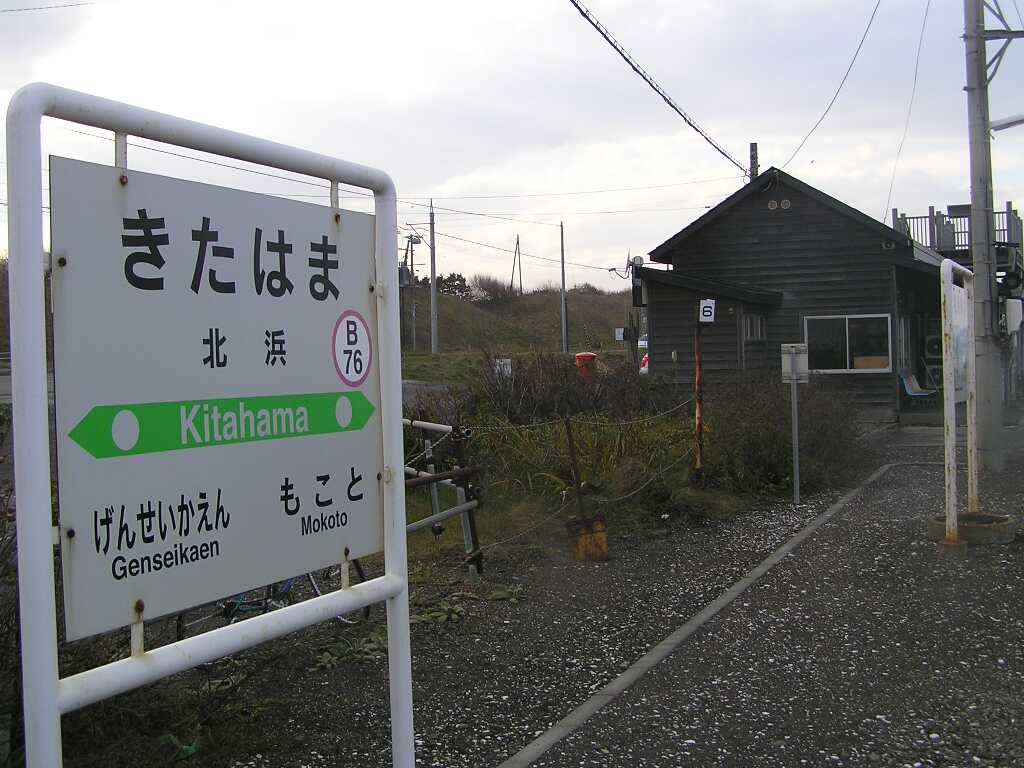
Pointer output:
x,y
46,695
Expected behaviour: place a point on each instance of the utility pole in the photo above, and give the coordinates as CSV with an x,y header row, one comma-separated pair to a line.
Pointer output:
x,y
401,299
512,280
433,286
520,266
754,170
988,355
565,319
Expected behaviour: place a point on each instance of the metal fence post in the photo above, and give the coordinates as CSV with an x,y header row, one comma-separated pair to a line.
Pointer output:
x,y
469,534
796,441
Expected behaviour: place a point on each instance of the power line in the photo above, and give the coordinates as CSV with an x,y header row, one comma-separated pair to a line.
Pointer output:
x,y
355,194
580,213
509,250
841,83
49,7
573,192
368,195
910,108
592,20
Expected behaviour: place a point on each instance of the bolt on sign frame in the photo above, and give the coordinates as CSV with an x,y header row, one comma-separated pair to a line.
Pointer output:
x,y
46,695
958,304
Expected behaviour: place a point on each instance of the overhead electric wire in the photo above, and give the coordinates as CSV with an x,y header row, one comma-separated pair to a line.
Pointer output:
x,y
573,192
635,66
356,194
50,7
509,250
910,108
841,83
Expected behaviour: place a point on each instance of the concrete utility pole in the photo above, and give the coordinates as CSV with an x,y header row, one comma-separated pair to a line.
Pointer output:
x,y
565,319
433,286
989,359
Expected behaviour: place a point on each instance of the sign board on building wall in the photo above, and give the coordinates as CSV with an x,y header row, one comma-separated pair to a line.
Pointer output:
x,y
217,391
707,311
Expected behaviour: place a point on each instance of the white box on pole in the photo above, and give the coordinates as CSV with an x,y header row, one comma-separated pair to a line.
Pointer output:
x,y
794,363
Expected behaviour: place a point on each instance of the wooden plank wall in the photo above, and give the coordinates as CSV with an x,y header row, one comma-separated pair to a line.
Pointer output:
x,y
823,262
671,317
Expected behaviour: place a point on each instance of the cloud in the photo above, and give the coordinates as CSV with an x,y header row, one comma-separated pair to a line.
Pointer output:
x,y
465,97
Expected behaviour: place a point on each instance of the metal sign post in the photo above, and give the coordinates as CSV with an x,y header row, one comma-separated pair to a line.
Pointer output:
x,y
181,274
705,314
959,384
795,371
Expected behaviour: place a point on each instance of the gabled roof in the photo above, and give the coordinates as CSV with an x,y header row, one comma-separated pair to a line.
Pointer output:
x,y
773,176
710,288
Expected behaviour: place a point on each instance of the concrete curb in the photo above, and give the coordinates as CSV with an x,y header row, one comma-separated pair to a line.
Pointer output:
x,y
666,647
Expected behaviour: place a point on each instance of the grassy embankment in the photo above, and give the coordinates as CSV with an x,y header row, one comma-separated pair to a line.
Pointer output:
x,y
521,324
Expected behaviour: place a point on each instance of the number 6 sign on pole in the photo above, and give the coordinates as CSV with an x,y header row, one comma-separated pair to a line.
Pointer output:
x,y
353,348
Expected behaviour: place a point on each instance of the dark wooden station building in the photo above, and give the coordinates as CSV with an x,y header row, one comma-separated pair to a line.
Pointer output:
x,y
787,263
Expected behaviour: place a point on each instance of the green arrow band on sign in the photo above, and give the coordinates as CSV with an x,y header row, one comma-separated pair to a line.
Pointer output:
x,y
108,431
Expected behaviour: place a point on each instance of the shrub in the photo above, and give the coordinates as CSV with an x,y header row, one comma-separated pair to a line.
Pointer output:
x,y
631,430
748,435
489,289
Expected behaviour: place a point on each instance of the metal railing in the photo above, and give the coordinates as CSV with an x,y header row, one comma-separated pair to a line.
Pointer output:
x,y
467,495
942,232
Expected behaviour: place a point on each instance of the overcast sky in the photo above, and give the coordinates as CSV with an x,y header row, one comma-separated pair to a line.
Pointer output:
x,y
462,99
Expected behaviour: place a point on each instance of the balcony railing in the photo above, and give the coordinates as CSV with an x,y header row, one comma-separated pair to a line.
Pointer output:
x,y
943,232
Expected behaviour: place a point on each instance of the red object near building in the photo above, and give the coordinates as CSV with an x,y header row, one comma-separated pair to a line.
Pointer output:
x,y
586,362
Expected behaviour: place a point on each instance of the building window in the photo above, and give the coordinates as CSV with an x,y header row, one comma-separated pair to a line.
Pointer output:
x,y
753,328
848,343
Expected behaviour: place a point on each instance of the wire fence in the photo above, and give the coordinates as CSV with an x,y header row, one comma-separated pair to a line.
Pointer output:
x,y
471,432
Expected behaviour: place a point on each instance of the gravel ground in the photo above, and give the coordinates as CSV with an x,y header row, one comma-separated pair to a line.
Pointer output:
x,y
863,647
486,686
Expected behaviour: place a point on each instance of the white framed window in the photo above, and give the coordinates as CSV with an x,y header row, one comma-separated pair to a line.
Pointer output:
x,y
848,343
754,327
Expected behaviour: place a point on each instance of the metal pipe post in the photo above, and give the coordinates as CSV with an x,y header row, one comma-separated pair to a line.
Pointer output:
x,y
698,399
396,562
32,433
949,400
435,504
796,434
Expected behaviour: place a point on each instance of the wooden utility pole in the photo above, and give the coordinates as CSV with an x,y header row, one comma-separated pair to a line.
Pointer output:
x,y
516,256
433,285
520,266
565,318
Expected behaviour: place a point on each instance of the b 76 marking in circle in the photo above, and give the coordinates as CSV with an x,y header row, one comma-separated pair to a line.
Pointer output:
x,y
353,348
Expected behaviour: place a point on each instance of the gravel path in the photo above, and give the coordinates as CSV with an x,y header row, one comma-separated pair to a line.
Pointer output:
x,y
486,686
861,648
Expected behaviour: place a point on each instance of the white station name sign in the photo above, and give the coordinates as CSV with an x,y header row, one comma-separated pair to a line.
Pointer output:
x,y
217,391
